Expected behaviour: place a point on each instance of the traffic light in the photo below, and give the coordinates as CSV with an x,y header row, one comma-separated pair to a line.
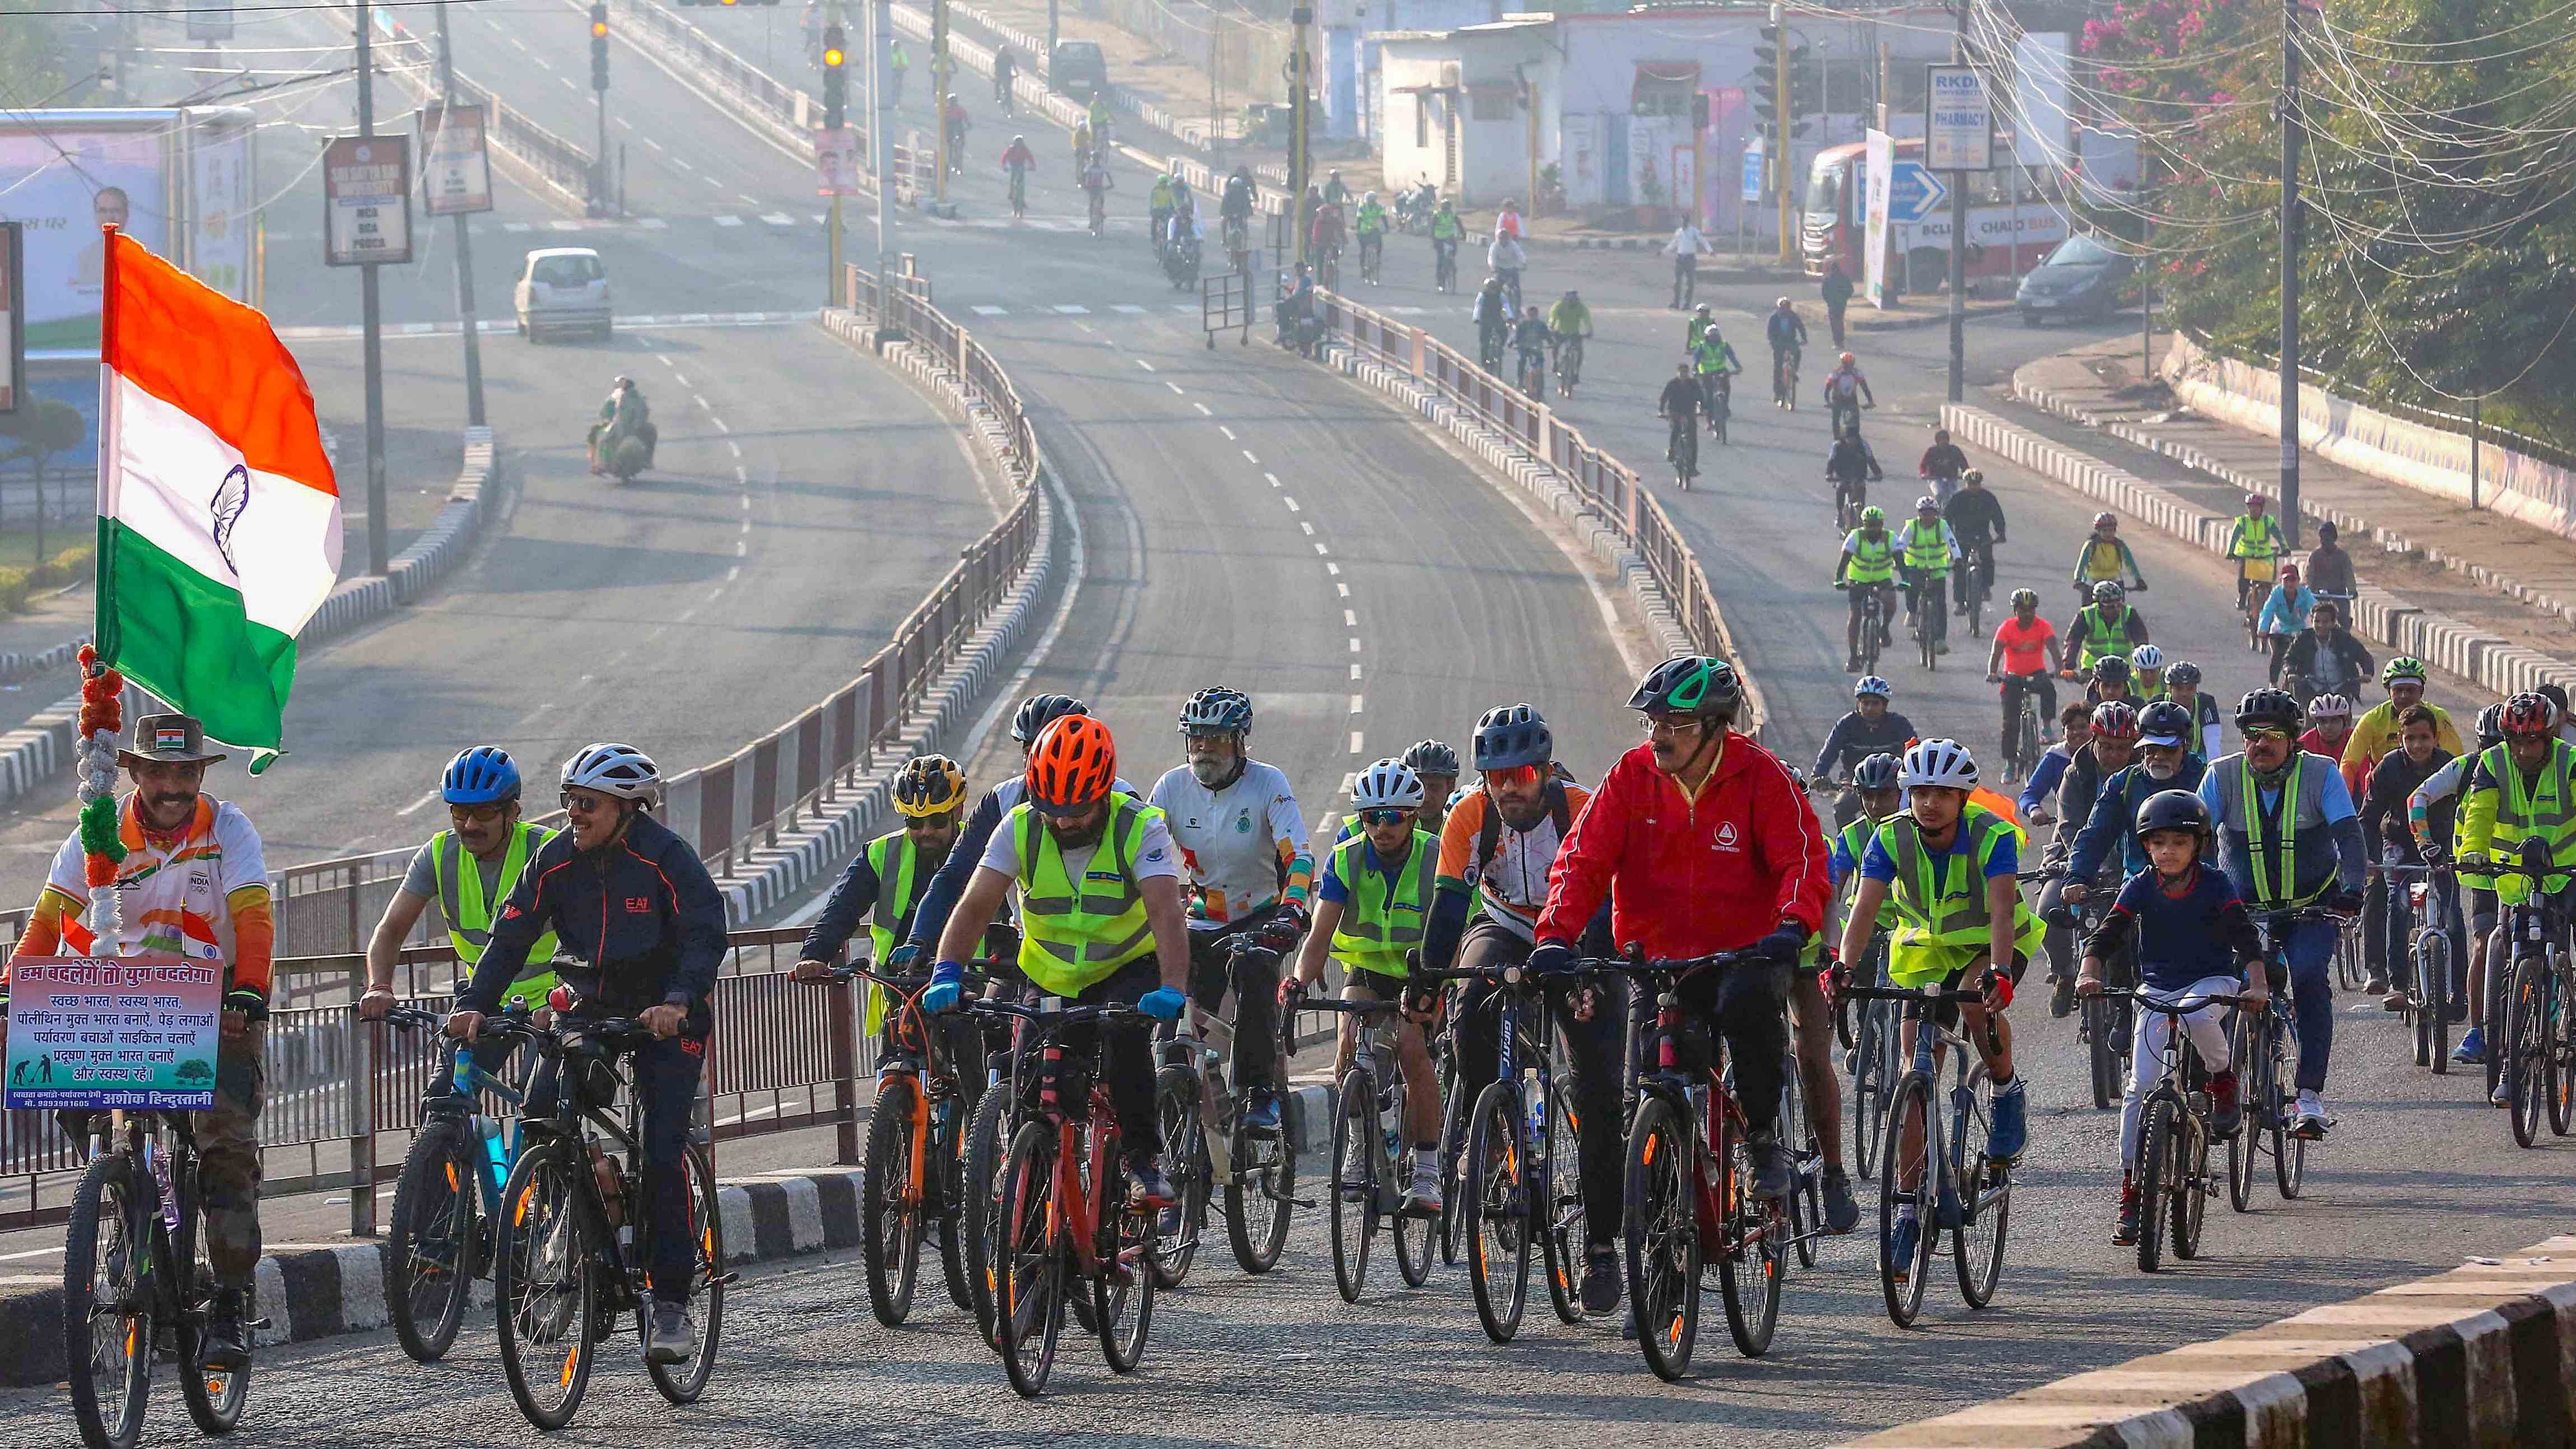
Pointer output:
x,y
1806,89
599,47
1766,80
836,78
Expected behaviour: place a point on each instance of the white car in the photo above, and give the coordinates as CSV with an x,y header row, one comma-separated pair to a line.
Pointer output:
x,y
562,290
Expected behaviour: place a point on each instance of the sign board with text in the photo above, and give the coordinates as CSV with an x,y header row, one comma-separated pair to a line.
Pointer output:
x,y
113,1031
13,327
366,200
1878,165
455,169
1958,120
836,161
1752,179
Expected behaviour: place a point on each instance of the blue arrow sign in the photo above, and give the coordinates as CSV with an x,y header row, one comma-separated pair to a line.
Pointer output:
x,y
1915,194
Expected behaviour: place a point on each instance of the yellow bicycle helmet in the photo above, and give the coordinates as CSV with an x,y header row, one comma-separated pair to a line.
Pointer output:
x,y
929,785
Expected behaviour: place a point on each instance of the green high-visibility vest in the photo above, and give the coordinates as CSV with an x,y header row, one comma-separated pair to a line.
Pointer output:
x,y
2254,538
2272,837
469,915
1074,936
896,861
1371,220
1374,934
1445,226
1873,561
1927,550
2545,808
2100,636
1942,921
1856,838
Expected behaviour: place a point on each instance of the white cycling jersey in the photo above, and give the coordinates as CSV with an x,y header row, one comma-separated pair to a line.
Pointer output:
x,y
1234,842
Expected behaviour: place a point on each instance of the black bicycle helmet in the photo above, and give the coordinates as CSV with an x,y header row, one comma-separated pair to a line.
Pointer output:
x,y
1431,757
1040,710
2491,726
2182,671
1511,735
2268,706
1692,684
2164,720
1217,708
2111,669
2172,810
1875,774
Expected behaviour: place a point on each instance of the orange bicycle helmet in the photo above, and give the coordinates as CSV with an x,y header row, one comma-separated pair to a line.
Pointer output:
x,y
1072,764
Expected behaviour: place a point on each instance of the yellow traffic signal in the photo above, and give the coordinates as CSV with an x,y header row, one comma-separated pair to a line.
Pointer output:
x,y
599,30
832,57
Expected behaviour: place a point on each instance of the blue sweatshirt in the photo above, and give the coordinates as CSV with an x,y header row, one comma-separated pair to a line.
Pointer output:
x,y
2201,932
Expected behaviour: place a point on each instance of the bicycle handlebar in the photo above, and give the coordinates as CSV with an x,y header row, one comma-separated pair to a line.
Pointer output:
x,y
2183,1007
1063,1016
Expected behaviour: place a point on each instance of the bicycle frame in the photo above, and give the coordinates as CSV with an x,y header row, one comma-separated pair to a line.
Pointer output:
x,y
1073,1209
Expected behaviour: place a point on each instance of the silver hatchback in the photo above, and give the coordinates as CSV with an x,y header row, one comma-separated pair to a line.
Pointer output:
x,y
562,290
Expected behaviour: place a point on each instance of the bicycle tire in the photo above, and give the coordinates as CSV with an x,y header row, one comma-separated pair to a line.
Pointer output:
x,y
1556,1199
1660,1224
2190,1203
1979,1259
1497,1220
1453,1148
1912,1098
1122,1295
2158,1156
1415,1237
2433,1016
1351,1204
2562,1066
2529,1043
683,1382
2251,1089
948,1159
545,1232
1748,1283
1030,1292
2098,1029
1185,1158
1258,1196
890,1229
2289,1150
2497,1019
110,1413
215,1397
433,1241
1806,1195
979,1188
1869,1093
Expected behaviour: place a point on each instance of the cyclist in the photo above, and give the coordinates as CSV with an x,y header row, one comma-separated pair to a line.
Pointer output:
x,y
2380,727
1437,764
1715,361
1096,116
2023,659
1099,887
1369,225
1703,843
1507,222
2329,567
2254,541
957,128
1019,161
2109,680
1248,872
2165,761
2329,727
2289,836
1097,184
1851,462
470,869
1496,853
1371,910
1846,389
1571,320
216,911
1942,465
623,414
2289,603
1679,403
1326,235
884,884
2104,557
2074,731
1492,314
2432,817
1874,781
1948,866
2147,672
2110,742
2393,780
1872,727
2524,788
1235,206
1787,334
2182,686
1336,191
1158,207
1531,339
2194,938
1697,322
1005,66
1446,232
1505,256
654,956
1976,515
1868,565
1930,550
2106,626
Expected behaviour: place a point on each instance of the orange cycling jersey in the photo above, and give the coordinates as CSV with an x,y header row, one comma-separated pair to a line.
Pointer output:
x,y
2025,645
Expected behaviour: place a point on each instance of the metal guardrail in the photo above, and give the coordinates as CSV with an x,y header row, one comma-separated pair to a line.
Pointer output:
x,y
561,163
1611,487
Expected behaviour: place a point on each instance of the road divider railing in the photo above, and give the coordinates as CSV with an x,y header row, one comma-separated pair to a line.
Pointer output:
x,y
1611,490
536,155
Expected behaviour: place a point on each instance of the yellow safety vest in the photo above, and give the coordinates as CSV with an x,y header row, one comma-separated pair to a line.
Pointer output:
x,y
1872,561
1942,921
1076,936
469,915
2102,559
1927,550
896,896
1374,935
2545,808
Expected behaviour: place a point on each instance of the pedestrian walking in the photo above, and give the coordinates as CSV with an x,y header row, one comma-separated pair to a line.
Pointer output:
x,y
1838,293
1685,248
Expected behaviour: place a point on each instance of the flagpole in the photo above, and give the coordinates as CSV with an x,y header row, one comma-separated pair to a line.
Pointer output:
x,y
372,326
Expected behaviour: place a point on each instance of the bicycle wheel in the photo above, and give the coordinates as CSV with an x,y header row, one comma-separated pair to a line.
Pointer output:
x,y
1497,1222
1754,1259
2190,1179
683,1382
107,1305
2528,1011
1258,1195
1453,1146
979,1187
1925,642
1662,1230
1353,1200
2099,1030
544,1293
215,1397
2289,1152
2159,1160
2562,1063
1985,1198
1185,1162
2433,1013
1806,1202
1869,1092
1413,1235
2497,1016
1029,1298
1902,1283
1556,1201
2251,1088
433,1243
890,1202
1122,1297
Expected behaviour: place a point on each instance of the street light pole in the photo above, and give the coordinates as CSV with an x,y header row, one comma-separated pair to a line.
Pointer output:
x,y
371,329
2291,139
1959,244
464,240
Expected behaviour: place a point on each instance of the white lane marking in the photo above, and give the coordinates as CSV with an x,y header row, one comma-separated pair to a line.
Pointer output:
x,y
1274,479
1355,646
1176,389
700,401
719,422
733,573
1355,673
690,612
1292,505
777,218
1355,742
1140,362
743,477
1320,551
728,221
677,375
746,498
653,223
985,309
1128,307
1071,309
1203,409
1310,529
1345,588
1229,432
649,141
740,548
1334,569
1350,619
730,443
1247,457
1085,326
715,182
682,163
414,807
1355,704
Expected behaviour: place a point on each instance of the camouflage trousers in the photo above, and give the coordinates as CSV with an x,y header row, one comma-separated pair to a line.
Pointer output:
x,y
228,1158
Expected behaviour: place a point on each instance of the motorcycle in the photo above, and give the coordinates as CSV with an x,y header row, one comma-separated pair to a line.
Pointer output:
x,y
1181,263
623,455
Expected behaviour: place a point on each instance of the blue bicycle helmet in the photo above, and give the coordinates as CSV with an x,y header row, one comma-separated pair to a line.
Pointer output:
x,y
482,775
1513,735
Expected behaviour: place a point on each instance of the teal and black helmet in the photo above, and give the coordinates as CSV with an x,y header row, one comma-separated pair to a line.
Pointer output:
x,y
1692,684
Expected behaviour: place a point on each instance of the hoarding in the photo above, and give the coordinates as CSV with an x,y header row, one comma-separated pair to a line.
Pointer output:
x,y
366,200
455,169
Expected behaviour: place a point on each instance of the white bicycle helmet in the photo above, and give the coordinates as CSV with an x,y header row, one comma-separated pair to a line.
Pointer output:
x,y
2146,657
612,769
2329,706
1939,762
1871,685
1387,784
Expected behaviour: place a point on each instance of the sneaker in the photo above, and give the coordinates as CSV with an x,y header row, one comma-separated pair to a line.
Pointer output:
x,y
2310,1122
2393,1001
226,1346
2061,1001
1900,1248
1770,1167
1851,664
1842,1214
1422,1200
2127,1233
2377,985
673,1339
1628,1324
1940,647
1262,1115
2011,1130
2472,1050
1601,1285
1150,1185
2503,1094
2226,1110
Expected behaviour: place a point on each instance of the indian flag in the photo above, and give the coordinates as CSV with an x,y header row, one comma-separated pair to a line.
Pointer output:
x,y
218,519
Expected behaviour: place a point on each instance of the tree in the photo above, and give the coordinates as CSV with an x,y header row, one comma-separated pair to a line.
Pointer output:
x,y
41,427
195,1073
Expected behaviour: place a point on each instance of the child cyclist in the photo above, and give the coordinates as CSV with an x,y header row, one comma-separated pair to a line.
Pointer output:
x,y
1370,910
2194,939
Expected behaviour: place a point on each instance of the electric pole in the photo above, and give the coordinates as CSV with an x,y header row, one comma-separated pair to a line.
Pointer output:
x,y
881,146
2291,139
1780,168
464,239
836,96
1301,163
371,328
599,203
1959,241
939,83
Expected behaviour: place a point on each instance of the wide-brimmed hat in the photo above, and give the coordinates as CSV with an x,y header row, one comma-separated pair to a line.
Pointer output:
x,y
175,739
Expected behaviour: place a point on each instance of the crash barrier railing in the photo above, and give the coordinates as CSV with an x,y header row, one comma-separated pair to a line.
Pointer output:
x,y
1610,487
744,81
560,162
344,1096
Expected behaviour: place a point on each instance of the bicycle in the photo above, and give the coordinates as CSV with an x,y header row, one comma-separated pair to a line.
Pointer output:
x,y
1784,379
1489,348
1207,1138
1099,215
1689,1188
1873,1053
1873,623
137,1282
1328,269
1533,372
1841,411
1372,1160
2174,1132
2263,1044
1718,388
2027,742
2418,909
1238,245
575,1234
1444,257
1019,192
1972,1199
2537,1001
1851,495
1520,1180
439,1238
1682,450
1064,1212
1977,585
1569,364
1372,261
2352,969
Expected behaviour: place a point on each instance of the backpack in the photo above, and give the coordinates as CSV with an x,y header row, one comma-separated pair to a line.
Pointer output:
x,y
1489,835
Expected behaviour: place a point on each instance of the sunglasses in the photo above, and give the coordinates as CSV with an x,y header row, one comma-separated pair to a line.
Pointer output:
x,y
926,822
477,814
1389,816
1515,775
2266,732
1672,725
582,804
1063,812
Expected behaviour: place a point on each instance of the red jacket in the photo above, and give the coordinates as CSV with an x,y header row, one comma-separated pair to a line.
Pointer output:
x,y
1690,876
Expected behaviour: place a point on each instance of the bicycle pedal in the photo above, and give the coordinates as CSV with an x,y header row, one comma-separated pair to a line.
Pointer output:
x,y
1301,1202
257,1324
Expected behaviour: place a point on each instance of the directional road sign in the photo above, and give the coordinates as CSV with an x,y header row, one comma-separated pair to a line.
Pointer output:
x,y
1915,194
